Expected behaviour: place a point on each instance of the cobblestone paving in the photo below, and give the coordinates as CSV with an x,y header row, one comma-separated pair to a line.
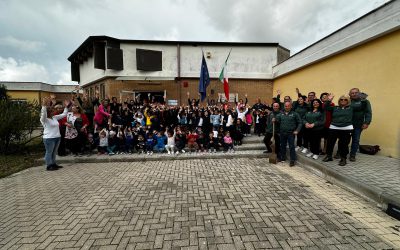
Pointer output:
x,y
378,171
187,204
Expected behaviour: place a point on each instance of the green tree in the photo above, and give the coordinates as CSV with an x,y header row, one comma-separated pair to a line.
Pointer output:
x,y
3,93
18,120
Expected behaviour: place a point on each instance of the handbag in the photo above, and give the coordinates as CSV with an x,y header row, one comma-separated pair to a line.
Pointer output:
x,y
369,149
71,133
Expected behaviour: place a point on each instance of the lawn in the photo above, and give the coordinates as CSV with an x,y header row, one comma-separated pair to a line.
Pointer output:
x,y
13,163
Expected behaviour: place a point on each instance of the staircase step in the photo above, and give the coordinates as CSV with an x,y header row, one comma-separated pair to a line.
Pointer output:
x,y
157,157
253,139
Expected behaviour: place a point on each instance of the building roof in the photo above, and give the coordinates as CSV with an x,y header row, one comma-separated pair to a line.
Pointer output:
x,y
86,48
38,86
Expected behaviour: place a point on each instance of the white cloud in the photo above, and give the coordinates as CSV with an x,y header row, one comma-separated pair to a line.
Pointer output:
x,y
172,35
64,78
22,45
46,32
13,70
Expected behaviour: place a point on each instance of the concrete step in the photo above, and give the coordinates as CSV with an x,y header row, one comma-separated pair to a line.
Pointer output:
x,y
253,139
94,158
250,146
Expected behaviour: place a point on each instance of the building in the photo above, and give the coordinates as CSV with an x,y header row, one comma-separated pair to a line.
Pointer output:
x,y
363,54
127,68
35,91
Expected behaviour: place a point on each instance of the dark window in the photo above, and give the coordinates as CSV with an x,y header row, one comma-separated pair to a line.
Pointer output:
x,y
148,60
75,76
102,91
99,55
115,59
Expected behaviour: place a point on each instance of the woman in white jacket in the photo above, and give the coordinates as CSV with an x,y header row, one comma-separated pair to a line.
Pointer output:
x,y
51,131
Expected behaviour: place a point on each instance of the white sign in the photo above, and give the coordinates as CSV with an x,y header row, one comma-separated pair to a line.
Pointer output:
x,y
172,102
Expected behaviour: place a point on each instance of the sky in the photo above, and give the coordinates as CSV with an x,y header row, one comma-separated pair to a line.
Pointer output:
x,y
37,37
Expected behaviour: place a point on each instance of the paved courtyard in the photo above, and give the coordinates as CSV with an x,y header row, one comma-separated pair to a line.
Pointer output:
x,y
187,204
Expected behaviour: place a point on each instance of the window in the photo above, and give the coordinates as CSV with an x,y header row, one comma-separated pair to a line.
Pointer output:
x,y
91,92
148,60
102,91
19,101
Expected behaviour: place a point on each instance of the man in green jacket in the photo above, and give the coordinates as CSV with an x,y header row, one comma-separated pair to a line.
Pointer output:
x,y
270,131
362,116
289,126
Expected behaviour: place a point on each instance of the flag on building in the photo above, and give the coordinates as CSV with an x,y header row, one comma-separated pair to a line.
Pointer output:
x,y
204,79
223,77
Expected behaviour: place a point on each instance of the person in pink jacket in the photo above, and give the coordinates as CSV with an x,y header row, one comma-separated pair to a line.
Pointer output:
x,y
102,114
228,142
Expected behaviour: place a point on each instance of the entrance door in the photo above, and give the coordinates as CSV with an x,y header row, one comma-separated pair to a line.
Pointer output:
x,y
150,96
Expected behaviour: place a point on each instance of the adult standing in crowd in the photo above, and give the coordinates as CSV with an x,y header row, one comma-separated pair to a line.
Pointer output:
x,y
290,125
328,119
102,114
270,130
362,117
341,128
51,133
314,122
301,108
76,124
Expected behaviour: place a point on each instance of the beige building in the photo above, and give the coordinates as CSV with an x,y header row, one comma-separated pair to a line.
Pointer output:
x,y
35,91
364,54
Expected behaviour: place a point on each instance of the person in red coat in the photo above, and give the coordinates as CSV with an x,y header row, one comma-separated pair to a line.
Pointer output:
x,y
328,119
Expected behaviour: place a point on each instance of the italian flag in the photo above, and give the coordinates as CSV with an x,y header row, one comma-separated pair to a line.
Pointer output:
x,y
223,77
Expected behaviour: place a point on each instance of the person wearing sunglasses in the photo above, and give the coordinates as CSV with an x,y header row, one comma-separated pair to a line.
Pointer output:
x,y
341,128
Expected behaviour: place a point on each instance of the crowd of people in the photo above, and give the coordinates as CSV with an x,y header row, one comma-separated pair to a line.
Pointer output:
x,y
84,125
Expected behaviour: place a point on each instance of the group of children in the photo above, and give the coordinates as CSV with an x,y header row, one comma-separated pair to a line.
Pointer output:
x,y
118,140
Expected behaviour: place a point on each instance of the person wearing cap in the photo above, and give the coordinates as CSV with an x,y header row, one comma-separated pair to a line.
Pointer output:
x,y
341,128
362,117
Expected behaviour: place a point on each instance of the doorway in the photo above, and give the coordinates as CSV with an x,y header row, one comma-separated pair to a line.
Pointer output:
x,y
152,96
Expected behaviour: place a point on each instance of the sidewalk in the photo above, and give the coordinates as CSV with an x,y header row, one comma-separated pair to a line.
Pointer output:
x,y
376,177
373,176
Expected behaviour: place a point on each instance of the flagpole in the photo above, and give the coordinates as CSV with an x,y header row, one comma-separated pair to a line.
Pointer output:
x,y
228,56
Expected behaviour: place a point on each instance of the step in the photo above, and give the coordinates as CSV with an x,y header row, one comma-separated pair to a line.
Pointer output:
x,y
94,158
250,146
253,139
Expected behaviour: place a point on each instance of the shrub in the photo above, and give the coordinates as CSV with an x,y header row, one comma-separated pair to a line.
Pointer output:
x,y
17,122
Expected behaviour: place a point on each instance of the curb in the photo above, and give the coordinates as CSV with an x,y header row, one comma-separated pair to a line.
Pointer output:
x,y
142,158
375,194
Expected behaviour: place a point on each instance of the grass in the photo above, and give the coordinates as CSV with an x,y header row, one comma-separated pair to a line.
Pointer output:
x,y
26,158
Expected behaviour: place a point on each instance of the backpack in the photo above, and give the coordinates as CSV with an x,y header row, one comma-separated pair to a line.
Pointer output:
x,y
369,149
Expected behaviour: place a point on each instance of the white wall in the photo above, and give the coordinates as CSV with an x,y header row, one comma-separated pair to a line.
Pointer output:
x,y
169,60
88,73
244,62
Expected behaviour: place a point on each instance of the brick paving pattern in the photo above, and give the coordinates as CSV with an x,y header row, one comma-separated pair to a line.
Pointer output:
x,y
374,170
241,203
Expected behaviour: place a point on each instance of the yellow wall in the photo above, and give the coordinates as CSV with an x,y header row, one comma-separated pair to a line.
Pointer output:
x,y
28,95
375,69
32,96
